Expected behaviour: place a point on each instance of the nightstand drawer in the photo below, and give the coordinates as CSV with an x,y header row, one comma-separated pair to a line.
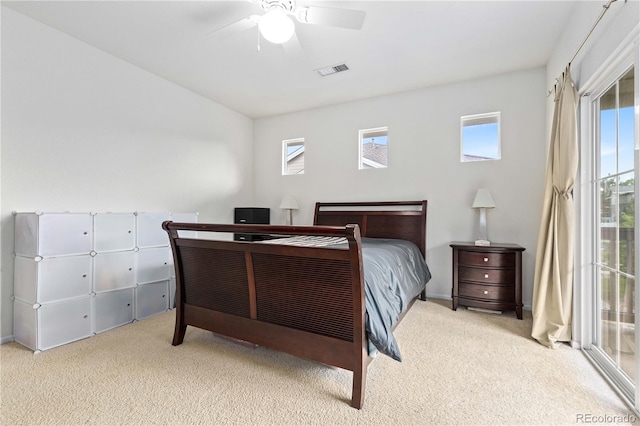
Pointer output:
x,y
488,292
500,260
485,275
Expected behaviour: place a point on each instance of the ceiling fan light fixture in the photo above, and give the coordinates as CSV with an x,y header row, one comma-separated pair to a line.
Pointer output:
x,y
276,27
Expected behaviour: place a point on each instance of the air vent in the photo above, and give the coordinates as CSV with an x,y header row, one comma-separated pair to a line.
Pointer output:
x,y
322,72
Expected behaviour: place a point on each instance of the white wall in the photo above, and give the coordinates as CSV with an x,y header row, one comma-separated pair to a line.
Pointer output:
x,y
85,131
424,140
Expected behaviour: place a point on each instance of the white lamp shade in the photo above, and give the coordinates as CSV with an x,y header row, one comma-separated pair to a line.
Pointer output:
x,y
276,27
483,199
289,202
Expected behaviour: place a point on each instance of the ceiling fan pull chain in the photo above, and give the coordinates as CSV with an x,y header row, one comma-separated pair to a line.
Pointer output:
x,y
258,40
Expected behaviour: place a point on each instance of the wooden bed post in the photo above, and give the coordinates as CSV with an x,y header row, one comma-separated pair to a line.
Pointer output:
x,y
359,380
359,332
423,240
181,326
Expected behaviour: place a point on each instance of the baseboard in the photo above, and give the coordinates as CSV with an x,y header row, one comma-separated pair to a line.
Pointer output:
x,y
438,296
6,339
448,297
486,311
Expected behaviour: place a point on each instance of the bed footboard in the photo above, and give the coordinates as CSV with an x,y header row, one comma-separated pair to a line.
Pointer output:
x,y
305,301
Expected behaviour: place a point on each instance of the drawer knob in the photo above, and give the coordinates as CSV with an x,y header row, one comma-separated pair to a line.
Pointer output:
x,y
486,275
486,259
486,292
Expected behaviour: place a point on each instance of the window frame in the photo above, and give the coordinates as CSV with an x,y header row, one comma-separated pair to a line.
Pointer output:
x,y
476,120
366,133
286,157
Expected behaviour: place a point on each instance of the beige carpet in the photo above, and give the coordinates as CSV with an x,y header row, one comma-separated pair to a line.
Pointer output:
x,y
459,368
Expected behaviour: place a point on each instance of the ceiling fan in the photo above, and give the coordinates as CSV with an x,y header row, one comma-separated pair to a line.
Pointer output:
x,y
276,25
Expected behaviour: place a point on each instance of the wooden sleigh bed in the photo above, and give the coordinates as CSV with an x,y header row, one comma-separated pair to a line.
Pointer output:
x,y
305,301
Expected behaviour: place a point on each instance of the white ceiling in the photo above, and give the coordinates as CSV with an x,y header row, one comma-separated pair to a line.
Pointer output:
x,y
403,45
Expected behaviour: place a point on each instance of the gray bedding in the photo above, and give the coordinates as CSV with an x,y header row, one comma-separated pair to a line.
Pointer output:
x,y
395,272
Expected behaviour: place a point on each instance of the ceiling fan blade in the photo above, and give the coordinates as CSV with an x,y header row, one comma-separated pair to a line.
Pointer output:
x,y
235,27
333,17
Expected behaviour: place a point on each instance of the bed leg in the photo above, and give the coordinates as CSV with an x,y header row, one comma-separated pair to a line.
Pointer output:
x,y
423,295
357,395
178,335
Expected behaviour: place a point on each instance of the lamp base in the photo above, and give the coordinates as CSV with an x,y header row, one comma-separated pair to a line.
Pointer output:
x,y
483,242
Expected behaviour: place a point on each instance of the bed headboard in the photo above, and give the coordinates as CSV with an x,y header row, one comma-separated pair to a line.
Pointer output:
x,y
406,220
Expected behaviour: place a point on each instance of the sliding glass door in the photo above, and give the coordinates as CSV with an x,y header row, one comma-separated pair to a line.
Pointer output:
x,y
610,238
615,183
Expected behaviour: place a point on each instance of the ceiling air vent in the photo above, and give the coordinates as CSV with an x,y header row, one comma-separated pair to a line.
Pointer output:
x,y
322,72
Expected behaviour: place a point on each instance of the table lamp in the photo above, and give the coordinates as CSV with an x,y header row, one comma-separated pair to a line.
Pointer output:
x,y
289,203
483,201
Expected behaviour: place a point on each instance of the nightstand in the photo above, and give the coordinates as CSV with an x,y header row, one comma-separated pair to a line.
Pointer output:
x,y
487,277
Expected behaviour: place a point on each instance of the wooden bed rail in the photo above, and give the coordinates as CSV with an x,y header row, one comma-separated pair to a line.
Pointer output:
x,y
330,231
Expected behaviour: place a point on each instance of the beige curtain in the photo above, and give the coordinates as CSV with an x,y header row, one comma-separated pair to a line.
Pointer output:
x,y
553,280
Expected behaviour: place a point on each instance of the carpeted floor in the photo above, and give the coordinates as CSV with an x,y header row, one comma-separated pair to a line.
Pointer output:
x,y
459,368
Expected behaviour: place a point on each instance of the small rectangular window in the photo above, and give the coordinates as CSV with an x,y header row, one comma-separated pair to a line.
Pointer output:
x,y
293,156
373,145
480,137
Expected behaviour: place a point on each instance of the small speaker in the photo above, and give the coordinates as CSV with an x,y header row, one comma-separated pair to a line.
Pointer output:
x,y
253,215
256,215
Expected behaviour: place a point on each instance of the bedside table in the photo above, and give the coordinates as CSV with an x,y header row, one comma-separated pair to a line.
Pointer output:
x,y
487,277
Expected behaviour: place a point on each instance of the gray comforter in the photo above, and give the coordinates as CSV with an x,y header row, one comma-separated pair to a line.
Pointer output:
x,y
395,272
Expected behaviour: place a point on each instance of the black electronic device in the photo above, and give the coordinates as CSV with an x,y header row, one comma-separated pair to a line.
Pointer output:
x,y
253,215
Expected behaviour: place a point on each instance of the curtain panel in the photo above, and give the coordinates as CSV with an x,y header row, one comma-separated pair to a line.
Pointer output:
x,y
554,267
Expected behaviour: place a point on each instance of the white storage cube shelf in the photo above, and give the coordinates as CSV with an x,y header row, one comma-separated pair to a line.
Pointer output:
x,y
114,270
113,309
77,274
41,327
50,279
114,232
153,264
53,234
149,229
152,299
